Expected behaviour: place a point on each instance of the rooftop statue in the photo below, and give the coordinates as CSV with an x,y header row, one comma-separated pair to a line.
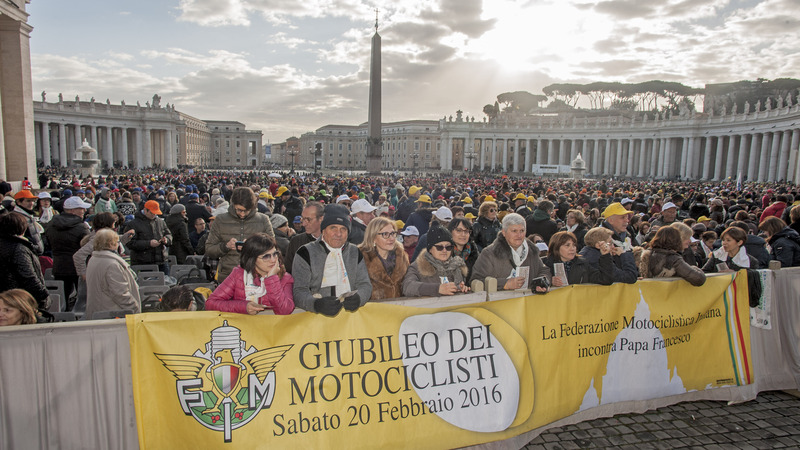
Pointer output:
x,y
44,94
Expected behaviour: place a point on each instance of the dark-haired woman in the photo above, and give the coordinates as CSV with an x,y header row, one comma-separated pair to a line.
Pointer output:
x,y
19,265
461,230
564,250
259,282
664,258
436,271
732,256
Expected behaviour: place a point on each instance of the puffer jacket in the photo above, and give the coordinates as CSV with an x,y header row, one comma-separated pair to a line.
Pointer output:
x,y
146,230
484,231
421,278
229,226
786,247
662,263
20,269
64,234
540,223
181,245
384,285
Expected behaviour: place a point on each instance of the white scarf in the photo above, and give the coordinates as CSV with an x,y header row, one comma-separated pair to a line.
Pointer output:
x,y
740,259
572,228
519,256
251,291
46,215
334,272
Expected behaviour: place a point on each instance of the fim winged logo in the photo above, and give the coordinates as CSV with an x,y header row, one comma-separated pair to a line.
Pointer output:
x,y
226,386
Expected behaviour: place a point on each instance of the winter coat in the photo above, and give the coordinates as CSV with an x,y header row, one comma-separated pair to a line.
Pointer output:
x,y
146,230
282,240
308,267
295,243
229,226
104,205
421,278
64,234
711,264
110,284
625,270
19,268
661,263
581,272
496,261
540,223
194,210
357,230
181,245
405,208
127,208
294,208
35,230
421,218
786,247
757,248
776,209
484,231
469,254
230,296
384,285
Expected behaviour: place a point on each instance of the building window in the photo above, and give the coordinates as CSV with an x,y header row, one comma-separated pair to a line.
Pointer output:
x,y
228,144
216,143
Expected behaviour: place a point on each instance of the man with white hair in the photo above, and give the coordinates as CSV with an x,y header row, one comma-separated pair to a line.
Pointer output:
x,y
512,259
362,213
669,215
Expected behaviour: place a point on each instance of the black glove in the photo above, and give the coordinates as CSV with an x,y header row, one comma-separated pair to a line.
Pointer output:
x,y
330,306
352,303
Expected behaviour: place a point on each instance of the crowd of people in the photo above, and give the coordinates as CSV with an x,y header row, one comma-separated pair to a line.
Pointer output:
x,y
327,243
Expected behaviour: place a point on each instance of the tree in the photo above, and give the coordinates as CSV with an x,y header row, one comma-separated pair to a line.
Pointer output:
x,y
490,111
521,101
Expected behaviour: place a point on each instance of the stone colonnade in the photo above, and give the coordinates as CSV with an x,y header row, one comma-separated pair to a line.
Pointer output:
x,y
130,136
761,146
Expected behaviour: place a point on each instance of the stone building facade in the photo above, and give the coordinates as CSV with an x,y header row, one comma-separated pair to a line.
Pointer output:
x,y
137,136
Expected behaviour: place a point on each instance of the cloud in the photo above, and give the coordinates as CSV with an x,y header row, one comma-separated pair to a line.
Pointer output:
x,y
214,13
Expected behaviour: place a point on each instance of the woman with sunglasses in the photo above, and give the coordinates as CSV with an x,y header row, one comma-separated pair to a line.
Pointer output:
x,y
464,246
385,258
487,226
436,271
259,282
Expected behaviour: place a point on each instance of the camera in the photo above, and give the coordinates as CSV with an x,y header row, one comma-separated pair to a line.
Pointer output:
x,y
542,282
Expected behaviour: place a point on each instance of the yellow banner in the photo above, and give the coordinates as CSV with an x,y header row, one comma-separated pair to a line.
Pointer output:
x,y
388,375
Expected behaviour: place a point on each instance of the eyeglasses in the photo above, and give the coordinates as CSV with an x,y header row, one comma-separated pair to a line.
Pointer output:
x,y
241,210
492,210
463,230
443,247
268,256
308,219
388,234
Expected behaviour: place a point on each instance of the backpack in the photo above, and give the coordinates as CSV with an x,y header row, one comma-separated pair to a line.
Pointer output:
x,y
195,275
151,303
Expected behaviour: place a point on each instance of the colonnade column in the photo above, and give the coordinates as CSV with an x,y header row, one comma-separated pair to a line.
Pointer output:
x,y
743,156
773,156
607,158
707,159
515,149
658,155
784,156
108,149
752,172
642,157
46,155
494,155
505,155
668,167
124,146
794,158
720,153
618,165
730,161
631,157
62,143
763,169
528,154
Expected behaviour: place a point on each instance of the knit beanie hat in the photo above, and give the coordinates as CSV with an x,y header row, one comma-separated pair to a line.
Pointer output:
x,y
438,234
336,214
177,209
278,220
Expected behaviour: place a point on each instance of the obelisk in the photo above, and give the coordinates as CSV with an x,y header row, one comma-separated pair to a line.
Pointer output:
x,y
374,142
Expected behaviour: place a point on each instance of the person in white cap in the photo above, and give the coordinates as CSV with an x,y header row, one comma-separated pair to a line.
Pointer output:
x,y
410,240
362,213
45,207
669,214
344,200
64,234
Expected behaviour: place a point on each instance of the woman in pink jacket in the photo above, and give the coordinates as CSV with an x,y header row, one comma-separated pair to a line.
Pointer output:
x,y
259,282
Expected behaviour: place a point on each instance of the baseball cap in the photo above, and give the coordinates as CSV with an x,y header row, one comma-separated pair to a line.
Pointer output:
x,y
410,231
281,190
702,219
75,203
668,205
152,206
413,190
469,216
343,198
443,213
298,219
44,194
25,193
625,201
615,209
520,196
424,198
361,205
488,198
467,200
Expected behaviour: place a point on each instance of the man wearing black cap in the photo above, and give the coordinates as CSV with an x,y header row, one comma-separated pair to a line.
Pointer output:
x,y
330,267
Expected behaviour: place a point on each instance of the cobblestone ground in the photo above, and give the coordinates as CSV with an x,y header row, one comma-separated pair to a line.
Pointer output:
x,y
770,421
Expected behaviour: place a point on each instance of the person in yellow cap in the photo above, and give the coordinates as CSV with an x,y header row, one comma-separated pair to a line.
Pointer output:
x,y
703,219
406,206
470,216
421,218
616,219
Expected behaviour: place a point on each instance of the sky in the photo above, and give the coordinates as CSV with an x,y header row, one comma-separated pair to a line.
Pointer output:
x,y
288,67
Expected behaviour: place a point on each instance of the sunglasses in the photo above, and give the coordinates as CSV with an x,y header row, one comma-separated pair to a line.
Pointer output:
x,y
268,256
388,234
443,247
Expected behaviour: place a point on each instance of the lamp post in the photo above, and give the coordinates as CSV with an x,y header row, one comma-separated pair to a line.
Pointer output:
x,y
415,156
470,155
317,152
292,152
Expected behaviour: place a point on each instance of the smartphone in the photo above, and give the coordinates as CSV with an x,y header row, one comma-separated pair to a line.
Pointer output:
x,y
239,245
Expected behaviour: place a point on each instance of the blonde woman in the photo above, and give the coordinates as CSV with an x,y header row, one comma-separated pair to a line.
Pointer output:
x,y
385,258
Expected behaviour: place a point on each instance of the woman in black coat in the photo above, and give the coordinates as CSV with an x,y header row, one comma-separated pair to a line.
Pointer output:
x,y
19,265
177,222
564,250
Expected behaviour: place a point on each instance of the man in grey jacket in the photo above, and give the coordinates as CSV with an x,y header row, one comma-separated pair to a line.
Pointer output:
x,y
330,267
